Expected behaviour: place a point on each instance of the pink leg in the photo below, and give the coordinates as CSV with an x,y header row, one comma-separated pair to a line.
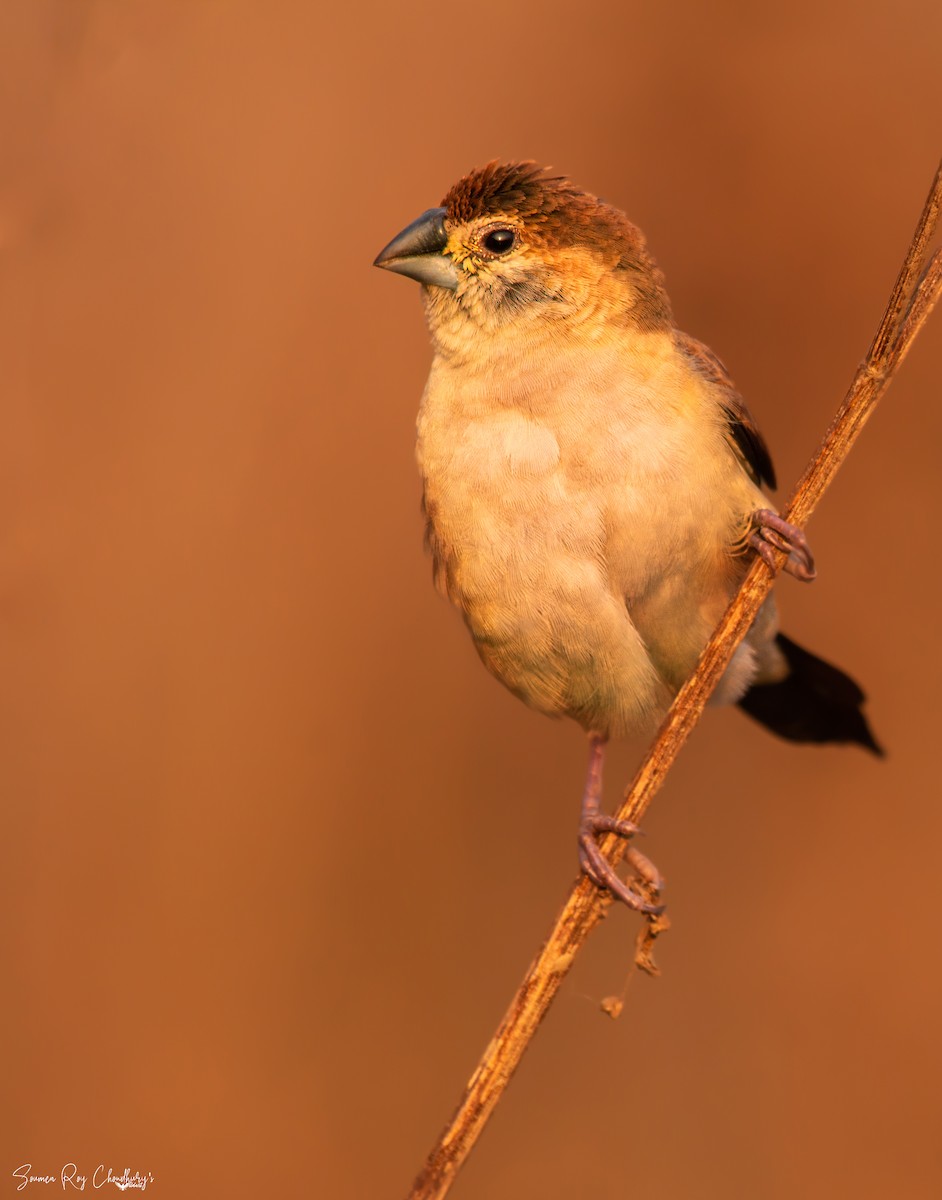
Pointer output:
x,y
771,530
595,822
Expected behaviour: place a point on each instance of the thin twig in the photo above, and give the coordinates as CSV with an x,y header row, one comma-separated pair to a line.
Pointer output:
x,y
917,290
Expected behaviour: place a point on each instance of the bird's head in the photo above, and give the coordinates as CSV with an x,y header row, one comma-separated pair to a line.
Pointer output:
x,y
512,251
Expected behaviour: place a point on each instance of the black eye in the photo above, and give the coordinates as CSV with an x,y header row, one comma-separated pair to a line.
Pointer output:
x,y
499,241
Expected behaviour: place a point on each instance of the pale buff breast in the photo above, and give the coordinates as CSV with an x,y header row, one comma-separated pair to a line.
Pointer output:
x,y
581,518
519,499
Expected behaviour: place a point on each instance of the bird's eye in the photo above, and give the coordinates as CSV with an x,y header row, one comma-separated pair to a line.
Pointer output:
x,y
499,241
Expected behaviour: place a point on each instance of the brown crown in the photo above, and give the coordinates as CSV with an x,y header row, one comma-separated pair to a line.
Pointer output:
x,y
556,214
509,189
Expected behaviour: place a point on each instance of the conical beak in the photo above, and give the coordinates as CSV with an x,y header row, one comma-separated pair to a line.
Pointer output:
x,y
419,252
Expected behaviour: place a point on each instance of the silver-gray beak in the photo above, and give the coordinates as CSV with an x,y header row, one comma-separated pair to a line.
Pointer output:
x,y
419,252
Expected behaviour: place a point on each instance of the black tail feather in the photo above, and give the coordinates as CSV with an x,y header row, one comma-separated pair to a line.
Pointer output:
x,y
815,702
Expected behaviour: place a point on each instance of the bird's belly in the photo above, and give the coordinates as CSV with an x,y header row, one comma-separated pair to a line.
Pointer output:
x,y
520,550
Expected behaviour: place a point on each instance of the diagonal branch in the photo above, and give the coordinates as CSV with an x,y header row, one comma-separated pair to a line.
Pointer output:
x,y
918,287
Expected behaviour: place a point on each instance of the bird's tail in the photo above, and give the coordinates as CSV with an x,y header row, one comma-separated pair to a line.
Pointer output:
x,y
815,702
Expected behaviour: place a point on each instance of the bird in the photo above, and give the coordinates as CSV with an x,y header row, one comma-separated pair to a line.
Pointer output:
x,y
592,481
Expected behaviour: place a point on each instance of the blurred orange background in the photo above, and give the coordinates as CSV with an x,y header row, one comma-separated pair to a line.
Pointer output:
x,y
264,901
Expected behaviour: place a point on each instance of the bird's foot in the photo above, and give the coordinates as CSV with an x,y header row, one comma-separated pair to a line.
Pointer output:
x,y
603,874
593,862
770,530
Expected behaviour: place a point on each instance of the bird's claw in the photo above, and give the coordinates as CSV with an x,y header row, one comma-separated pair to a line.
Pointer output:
x,y
770,530
603,874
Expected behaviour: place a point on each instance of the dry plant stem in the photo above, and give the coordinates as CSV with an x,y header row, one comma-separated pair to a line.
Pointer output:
x,y
916,291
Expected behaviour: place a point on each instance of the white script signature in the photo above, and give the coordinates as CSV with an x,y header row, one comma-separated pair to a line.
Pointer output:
x,y
71,1177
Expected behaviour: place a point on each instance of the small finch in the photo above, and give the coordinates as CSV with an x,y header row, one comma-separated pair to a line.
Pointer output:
x,y
592,479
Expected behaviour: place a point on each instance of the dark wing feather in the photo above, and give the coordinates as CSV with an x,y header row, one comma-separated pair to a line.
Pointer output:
x,y
744,434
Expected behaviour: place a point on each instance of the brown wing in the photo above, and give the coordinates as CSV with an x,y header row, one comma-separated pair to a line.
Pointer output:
x,y
744,434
